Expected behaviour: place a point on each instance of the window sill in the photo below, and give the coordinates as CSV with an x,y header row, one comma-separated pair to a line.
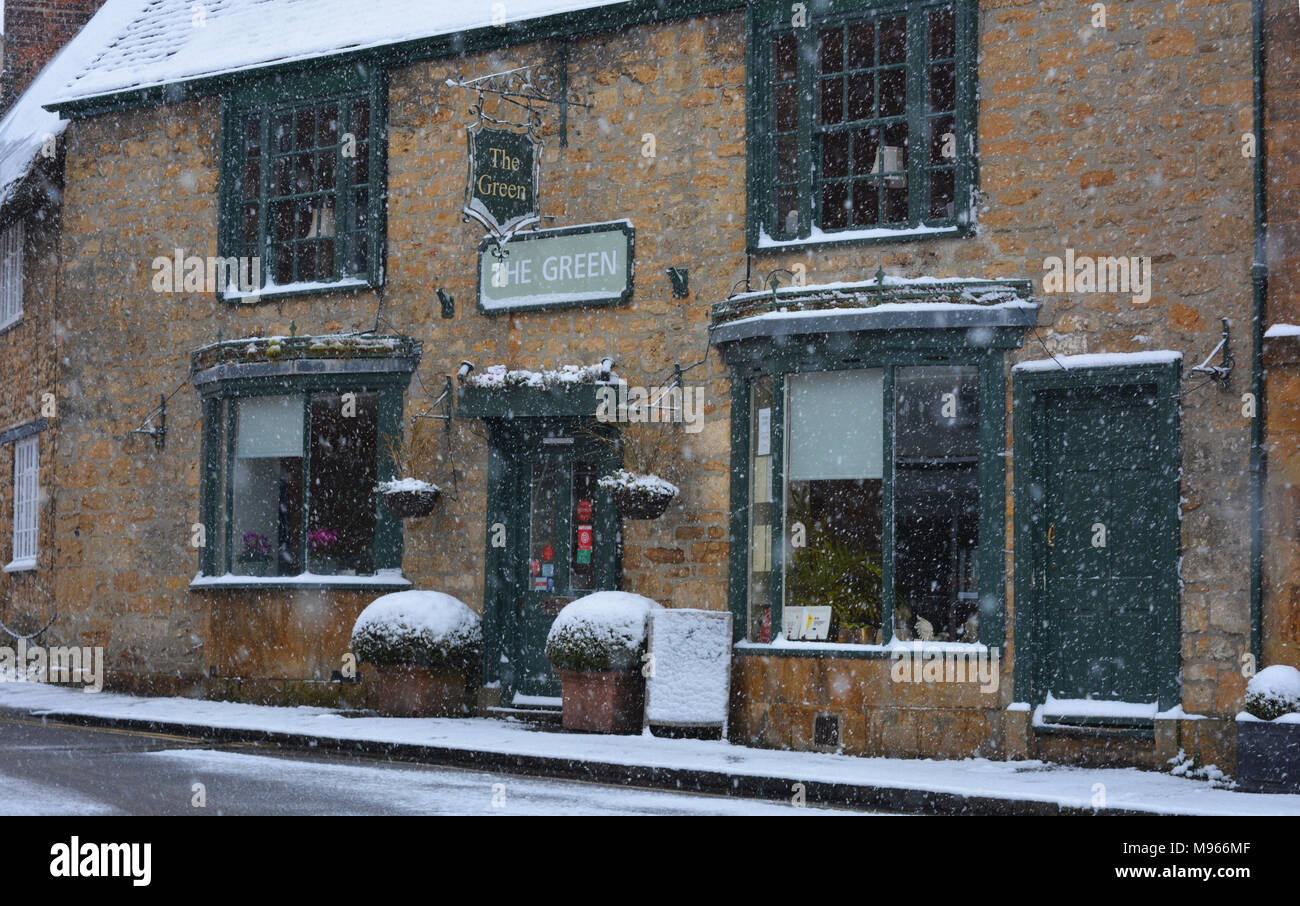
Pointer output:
x,y
348,285
26,564
846,237
389,578
785,648
9,325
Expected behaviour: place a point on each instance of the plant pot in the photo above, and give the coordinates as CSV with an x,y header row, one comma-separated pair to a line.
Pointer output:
x,y
407,690
323,566
636,504
603,701
256,568
1268,756
412,504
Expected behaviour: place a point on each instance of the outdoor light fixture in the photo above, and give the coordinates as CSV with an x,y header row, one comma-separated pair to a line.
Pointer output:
x,y
465,368
448,304
606,368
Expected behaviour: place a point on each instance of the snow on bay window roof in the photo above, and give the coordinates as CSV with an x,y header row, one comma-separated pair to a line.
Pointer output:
x,y
174,41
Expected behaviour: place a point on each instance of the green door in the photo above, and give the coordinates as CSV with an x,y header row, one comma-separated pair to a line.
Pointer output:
x,y
562,542
1099,523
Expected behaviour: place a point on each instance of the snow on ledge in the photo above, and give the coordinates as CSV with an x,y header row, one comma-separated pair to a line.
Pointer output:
x,y
767,242
1101,360
1282,330
391,577
1087,707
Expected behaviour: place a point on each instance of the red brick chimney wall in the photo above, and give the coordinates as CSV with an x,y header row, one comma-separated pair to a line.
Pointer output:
x,y
34,32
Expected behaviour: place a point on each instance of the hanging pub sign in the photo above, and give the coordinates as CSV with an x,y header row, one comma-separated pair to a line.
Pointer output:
x,y
503,178
580,265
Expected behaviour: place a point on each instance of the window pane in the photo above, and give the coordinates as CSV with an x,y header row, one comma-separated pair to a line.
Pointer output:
x,y
544,521
936,501
787,110
893,92
943,88
943,34
862,96
344,444
830,50
942,193
835,205
582,567
893,41
832,104
762,511
784,58
787,210
862,51
835,155
825,442
834,490
267,486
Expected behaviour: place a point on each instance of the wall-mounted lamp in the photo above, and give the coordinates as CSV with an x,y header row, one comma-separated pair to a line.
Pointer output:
x,y
463,372
681,280
606,369
157,432
448,303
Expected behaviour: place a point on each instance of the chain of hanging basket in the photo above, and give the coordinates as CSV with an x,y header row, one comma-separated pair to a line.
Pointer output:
x,y
30,635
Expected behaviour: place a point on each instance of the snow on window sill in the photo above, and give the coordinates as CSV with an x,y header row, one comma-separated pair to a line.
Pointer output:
x,y
821,237
386,578
20,566
783,646
273,290
12,322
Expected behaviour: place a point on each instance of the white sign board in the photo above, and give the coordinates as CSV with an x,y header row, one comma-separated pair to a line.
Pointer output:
x,y
691,681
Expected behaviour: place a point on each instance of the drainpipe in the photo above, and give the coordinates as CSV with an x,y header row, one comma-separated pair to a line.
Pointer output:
x,y
1259,289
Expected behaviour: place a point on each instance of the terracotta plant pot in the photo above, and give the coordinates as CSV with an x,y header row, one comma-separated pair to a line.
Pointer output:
x,y
603,701
411,504
409,691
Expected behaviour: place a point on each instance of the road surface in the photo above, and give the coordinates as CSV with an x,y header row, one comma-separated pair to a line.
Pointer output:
x,y
58,769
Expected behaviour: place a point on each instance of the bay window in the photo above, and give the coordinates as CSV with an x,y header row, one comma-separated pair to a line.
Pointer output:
x,y
862,499
292,453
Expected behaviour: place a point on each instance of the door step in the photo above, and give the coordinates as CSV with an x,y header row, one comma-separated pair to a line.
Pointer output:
x,y
542,716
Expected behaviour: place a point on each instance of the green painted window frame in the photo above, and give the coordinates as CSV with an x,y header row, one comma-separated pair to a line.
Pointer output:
x,y
770,18
218,439
777,358
287,91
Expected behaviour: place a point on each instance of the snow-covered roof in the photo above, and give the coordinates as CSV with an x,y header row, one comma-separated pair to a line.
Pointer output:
x,y
171,41
28,126
1101,360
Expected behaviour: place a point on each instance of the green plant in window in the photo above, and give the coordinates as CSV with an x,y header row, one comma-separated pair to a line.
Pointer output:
x,y
831,570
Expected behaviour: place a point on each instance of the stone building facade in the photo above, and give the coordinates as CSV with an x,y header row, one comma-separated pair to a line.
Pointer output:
x,y
1077,138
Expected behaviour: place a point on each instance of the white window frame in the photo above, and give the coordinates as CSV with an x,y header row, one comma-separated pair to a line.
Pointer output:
x,y
27,495
11,274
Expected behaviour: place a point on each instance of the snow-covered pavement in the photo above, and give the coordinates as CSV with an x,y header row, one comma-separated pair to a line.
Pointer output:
x,y
1026,781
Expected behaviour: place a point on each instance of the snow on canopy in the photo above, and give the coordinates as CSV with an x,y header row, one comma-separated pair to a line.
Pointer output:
x,y
28,126
171,41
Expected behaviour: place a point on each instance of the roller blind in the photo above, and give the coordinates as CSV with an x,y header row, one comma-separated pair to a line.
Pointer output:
x,y
268,426
837,425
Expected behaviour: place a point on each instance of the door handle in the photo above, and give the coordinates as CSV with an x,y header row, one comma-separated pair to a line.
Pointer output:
x,y
1051,537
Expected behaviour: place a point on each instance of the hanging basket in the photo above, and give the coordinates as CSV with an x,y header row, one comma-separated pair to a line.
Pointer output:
x,y
638,496
412,504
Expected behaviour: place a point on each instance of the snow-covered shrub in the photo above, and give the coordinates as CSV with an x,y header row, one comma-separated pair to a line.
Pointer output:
x,y
422,628
602,631
1273,691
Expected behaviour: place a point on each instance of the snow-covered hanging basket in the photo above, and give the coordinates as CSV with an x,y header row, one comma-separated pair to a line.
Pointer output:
x,y
410,498
638,496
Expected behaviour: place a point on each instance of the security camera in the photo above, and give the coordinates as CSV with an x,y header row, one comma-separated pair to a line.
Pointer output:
x,y
606,368
465,368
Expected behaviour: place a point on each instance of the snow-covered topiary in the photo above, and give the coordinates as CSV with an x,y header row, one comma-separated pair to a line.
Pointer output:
x,y
602,631
1273,691
422,628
